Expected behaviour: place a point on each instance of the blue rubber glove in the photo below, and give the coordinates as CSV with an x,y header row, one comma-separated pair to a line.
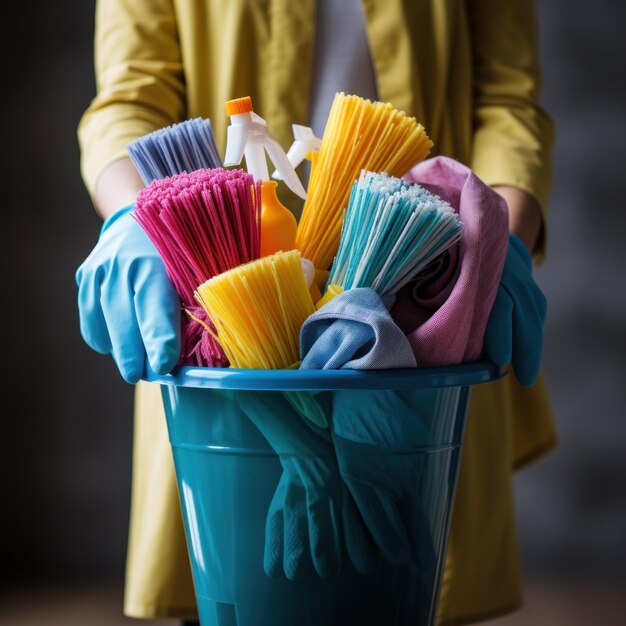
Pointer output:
x,y
311,512
378,436
514,332
127,305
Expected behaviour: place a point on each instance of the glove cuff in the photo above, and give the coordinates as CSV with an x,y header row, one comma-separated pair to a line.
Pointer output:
x,y
521,249
115,216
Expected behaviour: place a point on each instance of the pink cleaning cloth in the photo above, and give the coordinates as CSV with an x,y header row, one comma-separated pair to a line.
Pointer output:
x,y
444,312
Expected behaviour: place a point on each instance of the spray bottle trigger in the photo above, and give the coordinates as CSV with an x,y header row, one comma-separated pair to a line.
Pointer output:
x,y
257,118
235,145
304,143
284,167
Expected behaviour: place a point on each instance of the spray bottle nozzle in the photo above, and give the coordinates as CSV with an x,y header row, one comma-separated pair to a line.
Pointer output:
x,y
249,135
239,106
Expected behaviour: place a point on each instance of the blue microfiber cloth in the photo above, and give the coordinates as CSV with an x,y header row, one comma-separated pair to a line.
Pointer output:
x,y
354,331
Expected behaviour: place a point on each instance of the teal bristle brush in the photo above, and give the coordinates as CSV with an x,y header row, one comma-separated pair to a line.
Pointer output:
x,y
183,147
391,231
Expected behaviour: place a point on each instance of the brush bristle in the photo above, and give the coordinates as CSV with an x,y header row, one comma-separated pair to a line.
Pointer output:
x,y
258,310
202,223
183,147
359,134
391,231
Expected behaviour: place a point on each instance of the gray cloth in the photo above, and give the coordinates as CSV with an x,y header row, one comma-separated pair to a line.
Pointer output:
x,y
354,331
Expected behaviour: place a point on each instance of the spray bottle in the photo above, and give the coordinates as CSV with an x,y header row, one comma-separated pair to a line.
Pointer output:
x,y
305,145
249,135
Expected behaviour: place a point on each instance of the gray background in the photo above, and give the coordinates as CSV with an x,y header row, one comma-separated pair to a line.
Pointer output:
x,y
67,436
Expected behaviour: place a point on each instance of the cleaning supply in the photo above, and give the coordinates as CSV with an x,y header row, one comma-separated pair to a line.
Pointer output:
x,y
514,332
392,230
354,331
126,303
376,442
311,514
308,269
278,223
445,324
202,223
249,135
305,144
182,147
258,309
359,134
332,291
246,515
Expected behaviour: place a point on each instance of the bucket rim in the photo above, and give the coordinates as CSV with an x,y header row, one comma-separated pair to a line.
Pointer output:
x,y
466,374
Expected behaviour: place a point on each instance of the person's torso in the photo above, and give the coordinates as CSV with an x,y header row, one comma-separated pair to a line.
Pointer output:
x,y
419,51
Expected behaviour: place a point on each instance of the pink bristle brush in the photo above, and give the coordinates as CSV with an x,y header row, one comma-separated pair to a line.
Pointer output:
x,y
202,223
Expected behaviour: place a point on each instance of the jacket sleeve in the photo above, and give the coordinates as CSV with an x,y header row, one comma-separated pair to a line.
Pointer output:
x,y
139,80
513,134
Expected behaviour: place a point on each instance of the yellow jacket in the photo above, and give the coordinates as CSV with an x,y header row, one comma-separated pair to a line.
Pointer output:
x,y
468,72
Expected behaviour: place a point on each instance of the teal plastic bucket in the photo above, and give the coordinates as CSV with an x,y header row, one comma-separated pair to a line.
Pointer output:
x,y
389,471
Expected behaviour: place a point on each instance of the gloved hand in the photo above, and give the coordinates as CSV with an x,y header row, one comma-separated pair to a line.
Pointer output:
x,y
514,332
127,305
311,512
375,435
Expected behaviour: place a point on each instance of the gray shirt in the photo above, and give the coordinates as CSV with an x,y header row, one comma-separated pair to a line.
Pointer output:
x,y
342,60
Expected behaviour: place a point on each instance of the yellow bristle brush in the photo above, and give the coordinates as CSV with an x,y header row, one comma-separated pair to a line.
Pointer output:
x,y
258,309
359,135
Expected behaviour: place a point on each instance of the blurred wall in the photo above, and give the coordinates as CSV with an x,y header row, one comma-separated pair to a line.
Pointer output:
x,y
67,445
572,505
66,458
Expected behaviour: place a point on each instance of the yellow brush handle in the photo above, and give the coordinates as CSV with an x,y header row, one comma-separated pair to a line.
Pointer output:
x,y
332,292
